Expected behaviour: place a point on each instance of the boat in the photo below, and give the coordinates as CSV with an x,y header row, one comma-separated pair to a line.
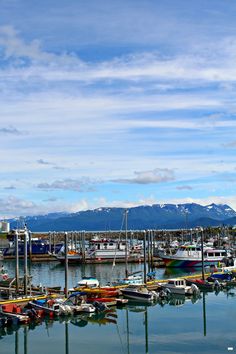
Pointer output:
x,y
202,284
78,304
190,255
134,278
140,293
178,286
108,250
88,282
38,247
14,312
221,276
48,307
101,250
73,256
104,291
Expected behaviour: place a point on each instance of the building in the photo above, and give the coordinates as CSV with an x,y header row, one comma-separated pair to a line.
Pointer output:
x,y
4,226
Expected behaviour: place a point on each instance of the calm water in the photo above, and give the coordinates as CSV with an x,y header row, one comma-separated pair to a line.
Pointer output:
x,y
207,325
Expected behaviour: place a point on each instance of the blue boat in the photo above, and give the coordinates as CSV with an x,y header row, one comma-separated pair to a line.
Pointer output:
x,y
38,246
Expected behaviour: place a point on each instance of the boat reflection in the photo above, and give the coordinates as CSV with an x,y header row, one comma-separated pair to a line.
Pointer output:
x,y
102,318
133,319
176,272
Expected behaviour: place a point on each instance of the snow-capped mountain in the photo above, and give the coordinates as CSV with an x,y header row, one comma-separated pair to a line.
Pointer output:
x,y
157,216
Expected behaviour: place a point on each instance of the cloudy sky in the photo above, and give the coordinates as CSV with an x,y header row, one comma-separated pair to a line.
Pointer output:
x,y
116,103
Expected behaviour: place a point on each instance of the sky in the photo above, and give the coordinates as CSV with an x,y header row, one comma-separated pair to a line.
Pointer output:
x,y
116,104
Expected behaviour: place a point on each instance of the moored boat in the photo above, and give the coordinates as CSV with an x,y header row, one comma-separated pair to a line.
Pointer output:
x,y
49,307
203,285
191,256
178,286
140,293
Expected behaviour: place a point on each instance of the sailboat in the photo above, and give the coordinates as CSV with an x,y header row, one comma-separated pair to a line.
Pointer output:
x,y
134,278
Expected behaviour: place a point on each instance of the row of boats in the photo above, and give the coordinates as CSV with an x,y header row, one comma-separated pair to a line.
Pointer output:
x,y
100,249
89,297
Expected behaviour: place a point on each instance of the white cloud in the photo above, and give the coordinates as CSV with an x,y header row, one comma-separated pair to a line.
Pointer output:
x,y
80,185
158,175
107,118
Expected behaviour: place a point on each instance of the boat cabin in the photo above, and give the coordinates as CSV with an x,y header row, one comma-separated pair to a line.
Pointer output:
x,y
105,244
176,282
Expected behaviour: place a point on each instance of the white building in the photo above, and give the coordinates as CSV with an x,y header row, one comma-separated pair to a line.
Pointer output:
x,y
4,226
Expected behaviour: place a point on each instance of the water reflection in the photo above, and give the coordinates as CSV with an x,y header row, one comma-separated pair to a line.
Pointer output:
x,y
178,272
135,328
102,318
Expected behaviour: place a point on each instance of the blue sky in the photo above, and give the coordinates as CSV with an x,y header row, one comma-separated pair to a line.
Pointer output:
x,y
116,103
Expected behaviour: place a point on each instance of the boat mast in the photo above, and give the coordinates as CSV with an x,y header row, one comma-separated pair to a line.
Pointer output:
x,y
126,243
202,253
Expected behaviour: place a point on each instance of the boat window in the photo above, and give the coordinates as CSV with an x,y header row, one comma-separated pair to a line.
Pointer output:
x,y
217,254
111,244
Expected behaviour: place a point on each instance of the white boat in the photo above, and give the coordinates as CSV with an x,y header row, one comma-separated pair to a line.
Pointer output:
x,y
139,293
190,255
131,279
102,249
78,304
88,282
178,286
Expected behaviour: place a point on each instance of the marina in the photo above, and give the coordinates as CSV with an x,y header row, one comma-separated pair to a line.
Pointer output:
x,y
101,298
178,324
117,193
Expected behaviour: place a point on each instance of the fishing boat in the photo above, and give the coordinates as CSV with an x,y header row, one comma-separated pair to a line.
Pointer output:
x,y
35,245
179,287
140,293
190,255
108,250
101,250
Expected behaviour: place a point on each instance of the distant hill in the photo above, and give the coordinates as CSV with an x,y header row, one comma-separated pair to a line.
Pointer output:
x,y
157,216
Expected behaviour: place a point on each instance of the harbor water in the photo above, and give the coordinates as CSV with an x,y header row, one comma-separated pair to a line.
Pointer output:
x,y
180,325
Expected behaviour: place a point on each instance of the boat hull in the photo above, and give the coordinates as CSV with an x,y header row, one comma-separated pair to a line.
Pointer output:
x,y
185,263
146,297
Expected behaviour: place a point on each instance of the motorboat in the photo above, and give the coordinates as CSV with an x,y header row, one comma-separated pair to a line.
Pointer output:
x,y
139,293
88,282
190,255
178,286
77,304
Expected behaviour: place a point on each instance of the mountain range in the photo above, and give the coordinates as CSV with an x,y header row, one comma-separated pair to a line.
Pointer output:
x,y
157,216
